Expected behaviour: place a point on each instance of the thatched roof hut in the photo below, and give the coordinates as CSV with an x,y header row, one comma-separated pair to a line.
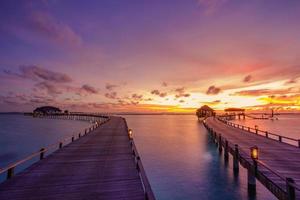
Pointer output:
x,y
47,110
205,111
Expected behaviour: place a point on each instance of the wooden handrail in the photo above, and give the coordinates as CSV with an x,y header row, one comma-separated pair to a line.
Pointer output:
x,y
10,168
149,195
257,131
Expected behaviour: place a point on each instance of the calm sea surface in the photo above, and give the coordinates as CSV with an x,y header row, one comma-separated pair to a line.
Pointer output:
x,y
22,135
180,160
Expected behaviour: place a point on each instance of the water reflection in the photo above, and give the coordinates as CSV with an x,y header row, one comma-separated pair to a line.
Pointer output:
x,y
183,163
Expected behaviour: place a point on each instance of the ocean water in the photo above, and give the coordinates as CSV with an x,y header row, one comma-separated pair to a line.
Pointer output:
x,y
22,135
178,155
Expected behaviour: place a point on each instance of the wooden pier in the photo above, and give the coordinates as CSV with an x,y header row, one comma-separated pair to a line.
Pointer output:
x,y
277,166
101,164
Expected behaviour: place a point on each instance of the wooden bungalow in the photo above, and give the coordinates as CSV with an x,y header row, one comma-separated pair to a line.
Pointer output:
x,y
239,112
204,112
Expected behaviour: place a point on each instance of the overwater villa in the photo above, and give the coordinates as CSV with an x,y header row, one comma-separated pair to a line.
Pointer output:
x,y
204,112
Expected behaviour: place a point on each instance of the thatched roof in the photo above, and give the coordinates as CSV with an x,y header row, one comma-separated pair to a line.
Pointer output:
x,y
206,108
47,109
234,110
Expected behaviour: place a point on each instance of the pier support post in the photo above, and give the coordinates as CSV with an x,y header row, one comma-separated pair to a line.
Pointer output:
x,y
10,173
226,156
236,159
220,143
42,153
290,189
251,178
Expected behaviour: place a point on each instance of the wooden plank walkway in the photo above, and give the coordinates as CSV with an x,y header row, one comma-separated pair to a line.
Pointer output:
x,y
100,165
282,158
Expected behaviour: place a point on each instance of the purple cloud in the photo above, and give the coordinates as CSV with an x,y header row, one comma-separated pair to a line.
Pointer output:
x,y
110,86
44,24
212,90
180,92
36,73
89,89
111,95
247,79
158,93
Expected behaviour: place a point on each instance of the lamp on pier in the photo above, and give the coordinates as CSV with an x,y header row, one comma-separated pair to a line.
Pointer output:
x,y
130,133
254,152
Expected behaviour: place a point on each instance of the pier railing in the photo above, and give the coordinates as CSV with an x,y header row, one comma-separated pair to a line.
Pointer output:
x,y
94,119
149,195
269,135
284,188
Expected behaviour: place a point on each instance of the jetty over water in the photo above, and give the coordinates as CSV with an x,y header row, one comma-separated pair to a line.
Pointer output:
x,y
277,164
101,164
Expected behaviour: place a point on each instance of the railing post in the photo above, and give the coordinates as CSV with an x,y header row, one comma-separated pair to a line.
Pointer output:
x,y
290,189
72,138
226,156
267,134
236,159
10,172
42,153
248,129
280,138
220,143
299,143
79,135
60,145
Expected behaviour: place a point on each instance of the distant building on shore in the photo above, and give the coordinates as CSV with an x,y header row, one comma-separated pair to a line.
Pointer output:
x,y
44,110
204,112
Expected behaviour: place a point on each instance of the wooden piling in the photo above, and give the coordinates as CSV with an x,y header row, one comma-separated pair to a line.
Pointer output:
x,y
220,143
251,178
10,173
236,159
42,153
290,189
226,154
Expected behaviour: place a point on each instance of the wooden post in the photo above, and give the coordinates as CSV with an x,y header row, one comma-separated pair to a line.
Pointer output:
x,y
290,189
79,135
252,170
248,129
60,145
220,143
226,156
42,153
280,138
10,173
236,159
267,134
72,138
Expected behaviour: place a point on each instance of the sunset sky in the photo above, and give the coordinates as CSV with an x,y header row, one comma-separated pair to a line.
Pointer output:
x,y
149,56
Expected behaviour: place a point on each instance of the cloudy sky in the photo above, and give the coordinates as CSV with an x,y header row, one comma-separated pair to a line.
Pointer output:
x,y
149,56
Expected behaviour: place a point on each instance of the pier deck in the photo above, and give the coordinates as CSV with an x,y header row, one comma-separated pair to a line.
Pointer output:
x,y
100,165
284,159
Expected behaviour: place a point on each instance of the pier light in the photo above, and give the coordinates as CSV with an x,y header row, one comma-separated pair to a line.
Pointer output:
x,y
254,152
130,133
